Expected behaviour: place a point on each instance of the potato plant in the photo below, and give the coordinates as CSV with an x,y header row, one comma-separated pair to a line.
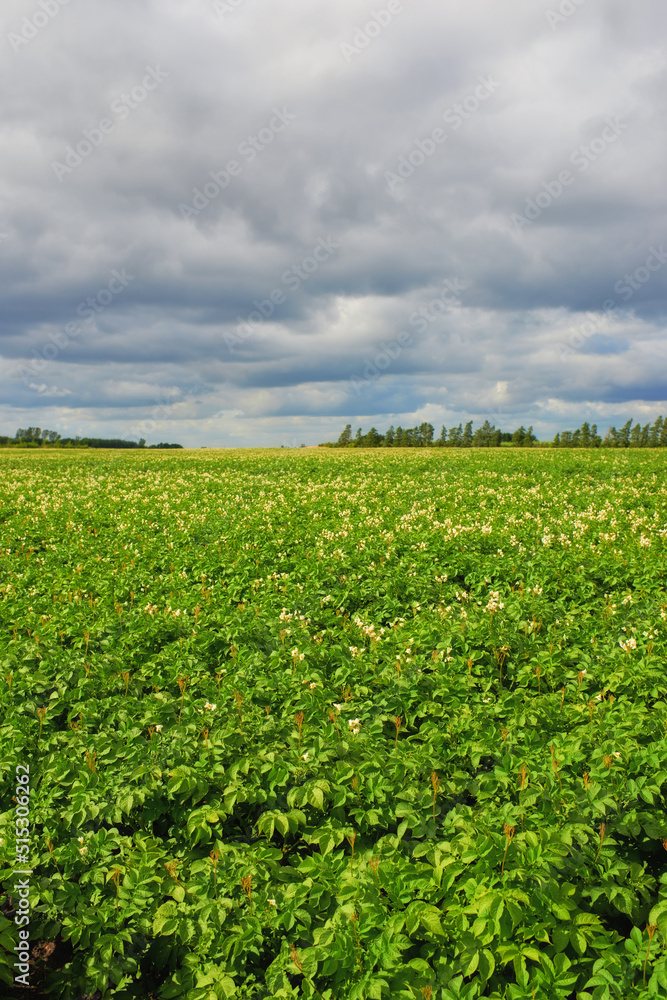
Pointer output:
x,y
338,724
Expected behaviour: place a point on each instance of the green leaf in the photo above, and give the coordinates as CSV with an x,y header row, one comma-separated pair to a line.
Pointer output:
x,y
125,803
165,921
228,987
282,824
487,964
578,942
471,965
429,918
316,797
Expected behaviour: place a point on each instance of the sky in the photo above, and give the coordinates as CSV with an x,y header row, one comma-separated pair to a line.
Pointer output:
x,y
240,223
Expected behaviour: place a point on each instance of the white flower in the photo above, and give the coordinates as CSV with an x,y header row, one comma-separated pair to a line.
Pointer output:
x,y
312,685
494,602
159,729
338,706
615,753
305,755
80,839
271,902
209,707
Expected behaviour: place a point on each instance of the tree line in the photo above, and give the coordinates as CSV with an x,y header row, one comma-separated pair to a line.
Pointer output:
x,y
35,437
423,436
630,435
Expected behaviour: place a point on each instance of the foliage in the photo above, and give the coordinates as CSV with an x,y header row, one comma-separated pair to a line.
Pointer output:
x,y
35,437
338,724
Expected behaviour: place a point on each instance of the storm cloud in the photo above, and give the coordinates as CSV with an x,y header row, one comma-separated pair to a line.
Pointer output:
x,y
235,222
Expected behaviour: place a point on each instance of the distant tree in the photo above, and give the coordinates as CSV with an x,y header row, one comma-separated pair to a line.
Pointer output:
x,y
345,437
576,439
399,439
566,439
585,436
611,438
456,436
529,438
358,438
624,435
654,435
644,436
389,438
556,443
372,439
427,432
466,440
596,440
482,436
442,440
635,437
518,437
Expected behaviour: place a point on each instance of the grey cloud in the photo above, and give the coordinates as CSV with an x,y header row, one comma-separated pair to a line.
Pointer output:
x,y
324,173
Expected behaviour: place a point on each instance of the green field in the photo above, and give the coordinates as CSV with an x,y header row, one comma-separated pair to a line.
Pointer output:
x,y
347,724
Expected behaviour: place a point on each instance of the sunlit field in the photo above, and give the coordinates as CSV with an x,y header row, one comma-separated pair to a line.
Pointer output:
x,y
340,724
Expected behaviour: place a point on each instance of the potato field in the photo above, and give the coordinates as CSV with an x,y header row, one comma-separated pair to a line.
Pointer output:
x,y
355,725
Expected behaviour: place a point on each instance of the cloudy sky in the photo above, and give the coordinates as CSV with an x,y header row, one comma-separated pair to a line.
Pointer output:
x,y
237,222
